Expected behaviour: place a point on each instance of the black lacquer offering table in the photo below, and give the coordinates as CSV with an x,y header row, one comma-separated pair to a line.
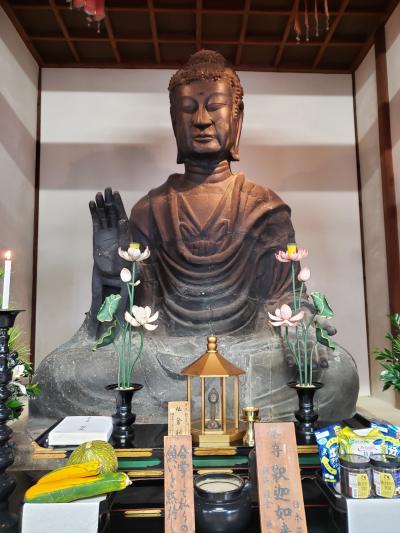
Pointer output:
x,y
145,458
140,506
130,513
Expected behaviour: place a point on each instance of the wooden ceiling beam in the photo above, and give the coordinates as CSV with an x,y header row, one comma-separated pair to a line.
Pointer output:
x,y
243,30
21,30
111,36
331,31
30,7
153,26
198,10
73,38
178,39
199,23
286,33
174,65
368,44
217,11
64,30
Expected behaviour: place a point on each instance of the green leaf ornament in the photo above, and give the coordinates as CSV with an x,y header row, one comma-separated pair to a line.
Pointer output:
x,y
13,403
323,338
106,338
321,305
395,319
108,308
34,390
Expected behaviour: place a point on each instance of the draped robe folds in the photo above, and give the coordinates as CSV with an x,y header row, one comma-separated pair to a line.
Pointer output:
x,y
212,269
214,276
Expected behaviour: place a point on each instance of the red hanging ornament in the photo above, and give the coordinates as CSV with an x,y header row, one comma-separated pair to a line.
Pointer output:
x,y
327,15
90,7
100,11
306,22
297,23
316,18
94,9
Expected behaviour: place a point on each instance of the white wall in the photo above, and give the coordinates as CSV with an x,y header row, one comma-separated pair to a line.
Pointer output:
x,y
392,31
18,102
373,224
112,127
371,193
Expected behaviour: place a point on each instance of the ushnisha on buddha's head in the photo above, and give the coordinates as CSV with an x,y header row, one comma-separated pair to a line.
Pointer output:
x,y
206,109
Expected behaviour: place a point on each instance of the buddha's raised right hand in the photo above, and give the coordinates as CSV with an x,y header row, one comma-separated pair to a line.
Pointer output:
x,y
110,231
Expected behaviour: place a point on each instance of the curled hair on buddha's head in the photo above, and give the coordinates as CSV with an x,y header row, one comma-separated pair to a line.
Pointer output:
x,y
208,65
212,66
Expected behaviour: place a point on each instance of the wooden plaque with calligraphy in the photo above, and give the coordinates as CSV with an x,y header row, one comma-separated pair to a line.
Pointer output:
x,y
178,418
279,484
178,485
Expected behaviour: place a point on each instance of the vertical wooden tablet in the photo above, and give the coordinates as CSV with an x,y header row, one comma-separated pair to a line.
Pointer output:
x,y
279,484
178,418
178,485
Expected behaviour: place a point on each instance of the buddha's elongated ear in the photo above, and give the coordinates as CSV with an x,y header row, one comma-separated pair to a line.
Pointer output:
x,y
234,151
179,158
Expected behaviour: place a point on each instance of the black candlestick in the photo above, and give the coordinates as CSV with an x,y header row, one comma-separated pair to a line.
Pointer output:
x,y
8,360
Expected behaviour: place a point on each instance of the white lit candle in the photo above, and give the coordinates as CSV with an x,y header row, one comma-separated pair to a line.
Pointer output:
x,y
6,280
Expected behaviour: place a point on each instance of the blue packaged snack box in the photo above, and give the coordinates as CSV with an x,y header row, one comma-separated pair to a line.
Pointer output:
x,y
391,435
328,449
387,429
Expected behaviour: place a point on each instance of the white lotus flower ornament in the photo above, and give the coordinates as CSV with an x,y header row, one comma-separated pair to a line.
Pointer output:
x,y
17,371
133,253
126,277
20,386
142,317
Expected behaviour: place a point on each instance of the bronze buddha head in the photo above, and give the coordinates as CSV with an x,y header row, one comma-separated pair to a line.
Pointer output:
x,y
206,100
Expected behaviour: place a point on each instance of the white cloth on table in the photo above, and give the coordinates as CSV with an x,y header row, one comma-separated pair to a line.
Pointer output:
x,y
81,516
372,515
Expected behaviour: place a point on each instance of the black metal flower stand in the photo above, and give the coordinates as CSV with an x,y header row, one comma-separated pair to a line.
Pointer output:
x,y
123,419
306,415
8,360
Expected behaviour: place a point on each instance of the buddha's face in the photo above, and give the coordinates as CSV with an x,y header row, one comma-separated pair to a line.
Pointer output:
x,y
205,126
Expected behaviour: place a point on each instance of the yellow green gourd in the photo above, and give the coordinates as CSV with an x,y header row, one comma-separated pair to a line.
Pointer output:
x,y
91,468
95,450
68,490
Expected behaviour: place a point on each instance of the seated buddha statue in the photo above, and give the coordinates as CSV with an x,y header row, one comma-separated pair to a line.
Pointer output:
x,y
212,235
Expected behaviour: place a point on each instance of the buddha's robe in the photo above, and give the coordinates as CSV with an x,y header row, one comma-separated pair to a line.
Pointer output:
x,y
212,270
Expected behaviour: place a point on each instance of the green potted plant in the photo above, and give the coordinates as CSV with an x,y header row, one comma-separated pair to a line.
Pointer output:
x,y
390,359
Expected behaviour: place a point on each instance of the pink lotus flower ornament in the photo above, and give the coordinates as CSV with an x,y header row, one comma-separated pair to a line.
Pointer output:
x,y
304,274
283,317
285,257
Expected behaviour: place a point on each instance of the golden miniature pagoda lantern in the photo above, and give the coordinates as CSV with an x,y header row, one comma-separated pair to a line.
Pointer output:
x,y
214,427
